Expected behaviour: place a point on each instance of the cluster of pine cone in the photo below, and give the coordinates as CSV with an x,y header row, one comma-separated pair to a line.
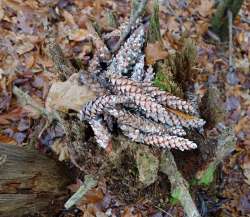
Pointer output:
x,y
143,112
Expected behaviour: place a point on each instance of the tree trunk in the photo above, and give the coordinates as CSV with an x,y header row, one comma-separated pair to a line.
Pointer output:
x,y
29,181
220,21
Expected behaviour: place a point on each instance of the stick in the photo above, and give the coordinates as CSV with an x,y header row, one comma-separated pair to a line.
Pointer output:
x,y
133,17
178,184
230,23
25,99
62,65
89,183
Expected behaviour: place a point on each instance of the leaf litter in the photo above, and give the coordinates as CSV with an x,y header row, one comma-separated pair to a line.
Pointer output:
x,y
23,62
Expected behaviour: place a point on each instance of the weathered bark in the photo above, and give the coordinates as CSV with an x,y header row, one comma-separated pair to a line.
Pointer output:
x,y
29,181
220,21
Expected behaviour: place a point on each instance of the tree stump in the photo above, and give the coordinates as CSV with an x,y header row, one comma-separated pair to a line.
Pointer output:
x,y
29,181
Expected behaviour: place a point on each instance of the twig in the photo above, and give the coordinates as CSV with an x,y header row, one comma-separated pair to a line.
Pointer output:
x,y
212,35
164,211
230,23
178,184
62,65
25,99
88,184
135,14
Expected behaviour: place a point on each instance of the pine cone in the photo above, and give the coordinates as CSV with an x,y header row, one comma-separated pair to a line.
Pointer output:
x,y
149,75
138,71
124,85
87,79
128,54
102,135
96,107
144,125
167,141
163,141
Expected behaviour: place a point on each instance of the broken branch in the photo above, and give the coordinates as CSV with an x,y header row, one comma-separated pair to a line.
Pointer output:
x,y
89,183
178,184
25,99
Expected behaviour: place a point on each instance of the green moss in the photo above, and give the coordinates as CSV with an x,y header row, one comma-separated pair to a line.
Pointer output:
x,y
208,176
154,33
165,80
161,81
175,196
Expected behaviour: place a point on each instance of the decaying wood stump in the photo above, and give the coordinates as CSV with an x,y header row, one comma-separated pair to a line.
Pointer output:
x,y
29,181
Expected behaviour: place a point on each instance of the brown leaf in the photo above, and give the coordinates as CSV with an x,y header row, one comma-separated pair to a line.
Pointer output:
x,y
14,115
154,52
68,95
1,12
74,187
94,196
61,149
128,213
172,24
30,61
204,9
246,169
78,34
6,139
24,47
69,18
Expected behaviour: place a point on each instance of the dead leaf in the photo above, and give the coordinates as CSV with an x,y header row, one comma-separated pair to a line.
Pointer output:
x,y
74,187
69,18
93,196
61,149
154,52
24,47
100,214
6,140
78,34
32,112
204,9
13,115
128,213
30,61
67,95
242,125
201,27
1,12
172,24
246,169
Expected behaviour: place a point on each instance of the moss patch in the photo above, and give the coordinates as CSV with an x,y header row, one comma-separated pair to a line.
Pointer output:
x,y
208,176
175,196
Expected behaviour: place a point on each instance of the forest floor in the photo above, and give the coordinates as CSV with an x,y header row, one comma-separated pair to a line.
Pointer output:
x,y
25,27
